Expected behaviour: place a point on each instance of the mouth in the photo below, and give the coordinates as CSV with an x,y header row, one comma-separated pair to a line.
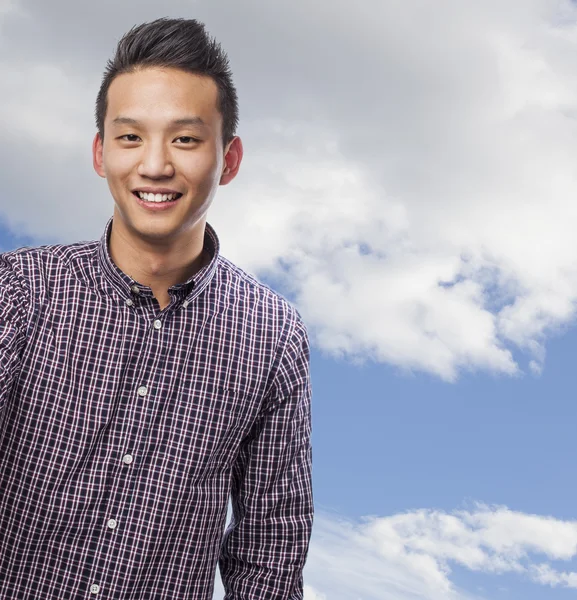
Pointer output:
x,y
150,197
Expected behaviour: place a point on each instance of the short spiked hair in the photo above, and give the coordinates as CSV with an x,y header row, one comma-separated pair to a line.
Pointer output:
x,y
179,44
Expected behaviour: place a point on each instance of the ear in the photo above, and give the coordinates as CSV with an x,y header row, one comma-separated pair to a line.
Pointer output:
x,y
97,161
232,160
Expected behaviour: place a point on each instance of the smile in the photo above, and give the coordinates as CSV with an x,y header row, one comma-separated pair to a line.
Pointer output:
x,y
149,197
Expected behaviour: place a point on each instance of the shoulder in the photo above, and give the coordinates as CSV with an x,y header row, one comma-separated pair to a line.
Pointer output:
x,y
243,288
267,313
34,266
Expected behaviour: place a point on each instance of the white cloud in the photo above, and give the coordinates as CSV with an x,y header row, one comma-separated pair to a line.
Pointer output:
x,y
311,594
412,556
9,6
412,173
460,119
46,105
545,575
358,275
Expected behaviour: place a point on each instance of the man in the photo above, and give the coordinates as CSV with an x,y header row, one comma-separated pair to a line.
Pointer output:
x,y
144,379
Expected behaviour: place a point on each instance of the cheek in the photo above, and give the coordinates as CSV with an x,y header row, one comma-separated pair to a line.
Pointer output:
x,y
202,170
117,165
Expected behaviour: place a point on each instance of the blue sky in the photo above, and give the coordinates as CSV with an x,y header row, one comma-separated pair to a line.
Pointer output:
x,y
424,442
409,183
387,443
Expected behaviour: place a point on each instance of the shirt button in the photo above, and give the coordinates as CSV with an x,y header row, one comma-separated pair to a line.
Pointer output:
x,y
112,524
127,459
135,289
94,588
129,302
185,304
157,324
142,390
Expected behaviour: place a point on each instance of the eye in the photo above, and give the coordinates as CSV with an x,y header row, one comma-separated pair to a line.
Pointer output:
x,y
186,139
129,137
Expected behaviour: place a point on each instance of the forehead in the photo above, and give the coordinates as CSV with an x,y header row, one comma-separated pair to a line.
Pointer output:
x,y
156,94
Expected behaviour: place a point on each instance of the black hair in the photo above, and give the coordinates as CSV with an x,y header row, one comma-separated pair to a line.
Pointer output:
x,y
173,43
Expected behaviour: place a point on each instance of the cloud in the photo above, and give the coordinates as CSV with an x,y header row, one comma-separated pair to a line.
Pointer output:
x,y
9,6
413,556
547,576
60,122
350,261
311,594
408,179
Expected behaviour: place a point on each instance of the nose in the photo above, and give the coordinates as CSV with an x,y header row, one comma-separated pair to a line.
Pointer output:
x,y
155,162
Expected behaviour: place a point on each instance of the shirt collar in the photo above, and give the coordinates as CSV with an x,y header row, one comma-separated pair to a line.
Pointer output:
x,y
126,286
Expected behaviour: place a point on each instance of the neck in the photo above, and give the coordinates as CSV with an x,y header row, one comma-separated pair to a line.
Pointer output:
x,y
157,265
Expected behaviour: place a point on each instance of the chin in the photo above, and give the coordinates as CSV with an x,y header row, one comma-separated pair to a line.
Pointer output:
x,y
152,231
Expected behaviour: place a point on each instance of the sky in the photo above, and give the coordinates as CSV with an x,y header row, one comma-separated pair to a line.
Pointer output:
x,y
410,184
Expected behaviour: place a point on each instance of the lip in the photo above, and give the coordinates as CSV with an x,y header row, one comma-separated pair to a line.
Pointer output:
x,y
154,207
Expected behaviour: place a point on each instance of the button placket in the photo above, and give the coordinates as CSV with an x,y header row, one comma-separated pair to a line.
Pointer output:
x,y
144,394
123,493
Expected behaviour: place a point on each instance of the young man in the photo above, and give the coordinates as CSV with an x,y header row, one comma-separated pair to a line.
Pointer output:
x,y
144,379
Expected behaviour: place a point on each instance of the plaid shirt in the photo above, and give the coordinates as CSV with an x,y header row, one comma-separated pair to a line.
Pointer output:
x,y
124,432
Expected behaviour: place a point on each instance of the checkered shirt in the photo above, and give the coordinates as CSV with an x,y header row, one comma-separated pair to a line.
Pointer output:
x,y
126,430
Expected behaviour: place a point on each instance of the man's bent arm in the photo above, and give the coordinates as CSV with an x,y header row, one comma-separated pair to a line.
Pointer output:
x,y
14,305
265,547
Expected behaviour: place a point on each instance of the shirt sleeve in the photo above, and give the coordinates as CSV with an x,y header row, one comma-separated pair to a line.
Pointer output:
x,y
13,315
266,544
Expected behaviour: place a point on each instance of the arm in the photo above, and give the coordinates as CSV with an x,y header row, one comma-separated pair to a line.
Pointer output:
x,y
266,544
13,315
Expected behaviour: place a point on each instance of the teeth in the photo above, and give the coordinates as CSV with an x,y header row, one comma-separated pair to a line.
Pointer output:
x,y
156,197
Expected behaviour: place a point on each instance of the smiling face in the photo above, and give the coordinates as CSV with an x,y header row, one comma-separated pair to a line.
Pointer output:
x,y
162,153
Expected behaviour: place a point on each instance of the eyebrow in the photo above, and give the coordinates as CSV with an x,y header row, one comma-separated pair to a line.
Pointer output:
x,y
190,121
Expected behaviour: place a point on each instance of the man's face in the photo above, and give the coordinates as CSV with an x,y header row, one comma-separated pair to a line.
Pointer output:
x,y
162,135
